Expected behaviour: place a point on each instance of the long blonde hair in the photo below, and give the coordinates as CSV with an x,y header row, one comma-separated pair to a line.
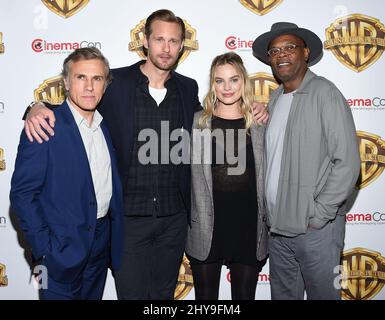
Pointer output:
x,y
247,97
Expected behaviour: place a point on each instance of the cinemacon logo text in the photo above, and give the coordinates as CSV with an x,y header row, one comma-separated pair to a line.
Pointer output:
x,y
263,278
378,217
366,102
41,45
234,43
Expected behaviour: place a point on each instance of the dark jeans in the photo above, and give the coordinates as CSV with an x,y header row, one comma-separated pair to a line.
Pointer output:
x,y
152,254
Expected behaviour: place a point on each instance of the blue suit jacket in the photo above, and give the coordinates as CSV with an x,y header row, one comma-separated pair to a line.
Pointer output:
x,y
53,196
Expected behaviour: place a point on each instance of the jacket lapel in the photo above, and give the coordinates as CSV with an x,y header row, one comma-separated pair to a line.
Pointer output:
x,y
183,95
207,166
116,184
198,160
257,143
78,145
107,137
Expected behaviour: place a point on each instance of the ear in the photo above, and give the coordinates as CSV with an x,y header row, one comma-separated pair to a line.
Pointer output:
x,y
145,42
66,84
181,46
306,52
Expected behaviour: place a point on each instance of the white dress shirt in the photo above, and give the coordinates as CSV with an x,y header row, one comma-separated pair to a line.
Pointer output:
x,y
98,158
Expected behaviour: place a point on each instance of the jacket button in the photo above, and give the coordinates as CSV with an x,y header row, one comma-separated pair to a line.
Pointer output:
x,y
89,228
92,203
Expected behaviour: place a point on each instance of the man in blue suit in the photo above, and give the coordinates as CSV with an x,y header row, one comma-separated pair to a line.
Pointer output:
x,y
67,192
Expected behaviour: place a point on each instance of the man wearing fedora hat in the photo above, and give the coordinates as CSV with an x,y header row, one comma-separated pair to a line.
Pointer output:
x,y
312,166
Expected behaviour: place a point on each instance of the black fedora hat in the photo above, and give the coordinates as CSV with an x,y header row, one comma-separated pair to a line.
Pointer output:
x,y
312,41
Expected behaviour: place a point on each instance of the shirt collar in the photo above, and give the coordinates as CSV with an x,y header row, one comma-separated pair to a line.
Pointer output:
x,y
170,82
79,119
142,77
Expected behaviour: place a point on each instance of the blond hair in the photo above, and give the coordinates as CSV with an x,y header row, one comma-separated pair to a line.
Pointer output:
x,y
247,96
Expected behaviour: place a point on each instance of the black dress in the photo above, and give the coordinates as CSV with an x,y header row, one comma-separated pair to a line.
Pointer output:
x,y
235,202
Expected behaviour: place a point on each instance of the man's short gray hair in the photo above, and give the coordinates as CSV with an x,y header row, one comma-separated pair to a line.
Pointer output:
x,y
87,53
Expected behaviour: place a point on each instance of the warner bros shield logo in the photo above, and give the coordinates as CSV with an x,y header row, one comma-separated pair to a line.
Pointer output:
x,y
51,91
372,153
356,40
363,274
260,7
65,8
263,84
3,276
2,49
185,280
2,161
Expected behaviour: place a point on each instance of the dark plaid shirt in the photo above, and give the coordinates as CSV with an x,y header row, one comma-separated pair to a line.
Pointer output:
x,y
152,189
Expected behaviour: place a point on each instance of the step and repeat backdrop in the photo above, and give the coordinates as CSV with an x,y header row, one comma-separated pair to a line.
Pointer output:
x,y
36,36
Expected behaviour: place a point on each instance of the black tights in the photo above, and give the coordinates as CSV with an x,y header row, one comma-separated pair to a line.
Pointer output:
x,y
207,277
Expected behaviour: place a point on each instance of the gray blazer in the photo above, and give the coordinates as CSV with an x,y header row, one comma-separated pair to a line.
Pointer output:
x,y
200,231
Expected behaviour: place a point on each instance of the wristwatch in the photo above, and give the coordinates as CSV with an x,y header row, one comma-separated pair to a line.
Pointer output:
x,y
29,109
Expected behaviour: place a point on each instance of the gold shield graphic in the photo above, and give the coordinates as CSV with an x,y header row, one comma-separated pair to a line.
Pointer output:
x,y
372,153
260,7
185,280
1,43
2,161
137,35
51,90
3,277
356,40
65,8
263,84
363,274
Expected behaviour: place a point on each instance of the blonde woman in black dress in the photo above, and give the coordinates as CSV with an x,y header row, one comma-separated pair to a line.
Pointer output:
x,y
228,214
